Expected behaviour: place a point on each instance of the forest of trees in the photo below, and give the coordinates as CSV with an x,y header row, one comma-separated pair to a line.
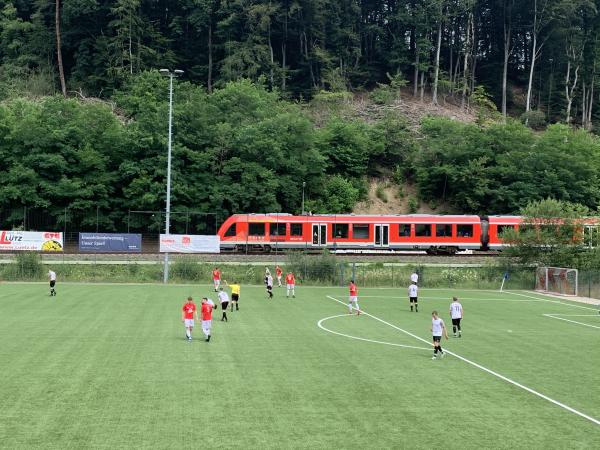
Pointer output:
x,y
242,148
546,50
262,105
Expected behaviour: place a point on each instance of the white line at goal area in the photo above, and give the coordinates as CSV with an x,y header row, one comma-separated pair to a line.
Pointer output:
x,y
480,367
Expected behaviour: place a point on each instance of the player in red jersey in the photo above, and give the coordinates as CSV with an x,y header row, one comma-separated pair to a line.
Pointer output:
x,y
216,274
278,272
206,311
290,282
353,299
188,312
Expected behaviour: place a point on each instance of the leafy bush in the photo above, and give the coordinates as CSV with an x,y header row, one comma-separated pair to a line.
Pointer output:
x,y
314,268
380,193
186,268
26,266
413,205
382,95
534,119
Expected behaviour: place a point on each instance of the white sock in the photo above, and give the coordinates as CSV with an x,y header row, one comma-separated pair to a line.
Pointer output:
x,y
293,293
187,333
357,307
287,293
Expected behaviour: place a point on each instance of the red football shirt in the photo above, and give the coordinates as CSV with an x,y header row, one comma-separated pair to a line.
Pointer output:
x,y
278,271
289,278
189,309
206,311
353,290
216,274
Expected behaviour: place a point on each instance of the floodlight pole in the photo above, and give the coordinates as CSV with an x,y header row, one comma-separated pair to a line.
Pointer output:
x,y
303,186
171,75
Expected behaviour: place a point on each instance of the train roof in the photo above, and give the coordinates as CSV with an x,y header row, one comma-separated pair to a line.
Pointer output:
x,y
354,218
505,220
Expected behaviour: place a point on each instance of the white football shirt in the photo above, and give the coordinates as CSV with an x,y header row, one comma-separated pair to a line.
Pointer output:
x,y
269,280
223,296
456,310
414,277
52,275
413,290
436,326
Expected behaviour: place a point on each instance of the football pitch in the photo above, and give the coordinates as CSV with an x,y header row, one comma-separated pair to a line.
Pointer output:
x,y
107,366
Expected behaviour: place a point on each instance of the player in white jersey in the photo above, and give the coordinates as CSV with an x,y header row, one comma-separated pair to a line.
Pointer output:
x,y
414,277
52,276
269,283
456,312
437,330
224,299
413,293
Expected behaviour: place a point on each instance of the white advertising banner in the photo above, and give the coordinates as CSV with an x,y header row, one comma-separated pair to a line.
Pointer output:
x,y
189,243
42,241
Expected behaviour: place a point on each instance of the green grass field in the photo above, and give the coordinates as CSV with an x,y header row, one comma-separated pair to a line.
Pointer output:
x,y
107,366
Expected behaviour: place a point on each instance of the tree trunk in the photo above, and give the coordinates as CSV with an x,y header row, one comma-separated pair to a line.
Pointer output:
x,y
569,92
284,52
416,80
61,71
210,59
434,99
590,104
507,51
583,105
467,52
130,46
271,75
534,51
422,85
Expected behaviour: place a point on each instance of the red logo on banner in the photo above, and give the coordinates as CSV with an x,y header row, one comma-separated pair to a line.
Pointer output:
x,y
3,240
186,240
51,235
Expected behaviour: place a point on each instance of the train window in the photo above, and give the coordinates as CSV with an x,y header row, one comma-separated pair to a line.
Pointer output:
x,y
295,229
277,229
422,230
443,230
360,231
256,229
404,230
503,228
232,230
464,230
340,230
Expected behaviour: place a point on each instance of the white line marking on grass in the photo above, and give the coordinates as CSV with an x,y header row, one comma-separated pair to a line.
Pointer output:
x,y
554,316
552,301
573,315
460,298
319,324
485,369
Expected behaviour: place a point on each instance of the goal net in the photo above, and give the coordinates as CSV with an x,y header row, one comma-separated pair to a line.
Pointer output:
x,y
556,280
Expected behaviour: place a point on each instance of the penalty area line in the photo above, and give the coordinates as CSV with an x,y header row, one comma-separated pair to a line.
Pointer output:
x,y
320,325
485,369
554,316
558,302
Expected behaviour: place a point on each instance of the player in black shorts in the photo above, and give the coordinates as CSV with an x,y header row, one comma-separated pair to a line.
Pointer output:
x,y
224,299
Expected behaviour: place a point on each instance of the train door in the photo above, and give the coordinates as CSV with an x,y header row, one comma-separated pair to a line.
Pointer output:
x,y
591,236
382,233
319,235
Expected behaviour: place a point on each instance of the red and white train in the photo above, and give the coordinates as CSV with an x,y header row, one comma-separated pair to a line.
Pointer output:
x,y
433,233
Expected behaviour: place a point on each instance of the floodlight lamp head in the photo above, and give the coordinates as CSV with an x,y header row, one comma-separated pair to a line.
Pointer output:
x,y
165,71
178,72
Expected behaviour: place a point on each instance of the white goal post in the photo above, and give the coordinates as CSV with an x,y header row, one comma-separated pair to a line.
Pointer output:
x,y
557,280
